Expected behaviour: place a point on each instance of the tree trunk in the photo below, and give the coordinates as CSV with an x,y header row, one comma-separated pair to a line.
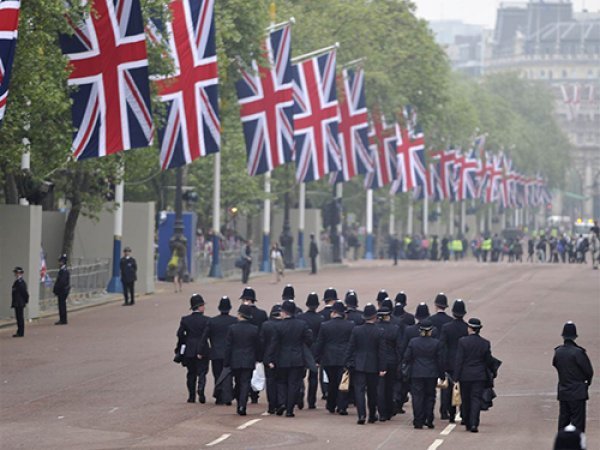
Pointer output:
x,y
69,235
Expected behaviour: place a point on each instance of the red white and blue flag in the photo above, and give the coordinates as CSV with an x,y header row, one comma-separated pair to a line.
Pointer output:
x,y
492,192
9,22
467,166
266,106
107,54
403,176
382,143
354,126
435,183
316,120
418,163
192,128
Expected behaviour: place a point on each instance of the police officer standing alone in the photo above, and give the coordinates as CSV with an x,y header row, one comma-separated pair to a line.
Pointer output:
x,y
313,252
128,267
190,344
20,298
575,375
218,327
62,287
241,354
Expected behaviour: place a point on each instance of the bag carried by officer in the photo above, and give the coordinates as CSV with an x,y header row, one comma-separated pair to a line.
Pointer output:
x,y
456,399
258,378
345,382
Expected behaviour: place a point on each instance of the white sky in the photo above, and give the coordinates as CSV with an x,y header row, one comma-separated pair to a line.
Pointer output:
x,y
478,12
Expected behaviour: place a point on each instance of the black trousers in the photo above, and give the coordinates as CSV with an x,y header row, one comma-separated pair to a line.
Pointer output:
x,y
385,394
313,264
241,389
62,307
271,382
572,412
246,272
446,408
196,375
217,368
422,391
288,385
20,316
128,291
365,383
471,393
335,398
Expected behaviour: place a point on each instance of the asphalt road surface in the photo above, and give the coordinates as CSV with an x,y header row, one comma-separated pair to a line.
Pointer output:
x,y
107,380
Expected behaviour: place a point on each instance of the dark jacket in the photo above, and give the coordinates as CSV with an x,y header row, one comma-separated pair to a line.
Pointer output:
x,y
393,342
62,285
314,321
575,371
413,331
473,359
217,333
241,346
258,316
266,336
313,250
326,312
128,269
366,349
287,348
440,319
424,355
192,332
451,333
20,295
355,316
330,349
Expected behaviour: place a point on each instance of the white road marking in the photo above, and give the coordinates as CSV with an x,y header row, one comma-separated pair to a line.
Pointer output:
x,y
248,424
219,439
113,410
448,429
435,444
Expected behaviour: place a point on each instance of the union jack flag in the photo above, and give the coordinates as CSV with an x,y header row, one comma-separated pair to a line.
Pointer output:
x,y
446,160
317,151
403,181
435,183
354,126
418,165
493,190
382,143
266,106
467,171
107,53
192,128
9,22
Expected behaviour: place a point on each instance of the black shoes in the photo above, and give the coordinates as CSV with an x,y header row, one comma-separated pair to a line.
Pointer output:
x,y
418,427
18,335
300,405
452,420
312,407
430,425
191,400
60,323
280,411
241,411
361,421
343,412
474,430
372,419
290,414
201,398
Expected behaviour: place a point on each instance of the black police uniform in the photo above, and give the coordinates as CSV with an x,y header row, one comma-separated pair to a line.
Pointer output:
x,y
366,357
412,331
313,252
191,332
575,375
62,287
451,333
314,320
259,316
393,342
218,327
424,356
266,337
128,267
354,315
20,298
473,360
241,354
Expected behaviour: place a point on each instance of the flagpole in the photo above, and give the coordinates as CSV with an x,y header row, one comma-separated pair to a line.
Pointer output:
x,y
463,218
300,58
301,224
114,284
490,212
425,216
339,193
266,241
354,62
451,219
215,266
409,225
392,226
369,237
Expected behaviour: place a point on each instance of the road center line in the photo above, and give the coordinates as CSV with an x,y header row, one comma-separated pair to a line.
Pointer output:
x,y
435,444
448,429
218,440
248,424
113,410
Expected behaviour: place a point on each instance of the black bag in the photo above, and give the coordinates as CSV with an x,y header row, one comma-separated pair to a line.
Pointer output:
x,y
178,358
240,263
487,397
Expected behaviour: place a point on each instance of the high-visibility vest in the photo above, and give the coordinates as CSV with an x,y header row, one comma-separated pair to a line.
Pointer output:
x,y
487,245
458,245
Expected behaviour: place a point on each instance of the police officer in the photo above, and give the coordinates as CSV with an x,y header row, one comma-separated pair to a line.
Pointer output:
x,y
424,357
413,331
286,355
288,293
393,342
61,289
313,252
259,316
266,337
20,298
381,296
575,375
190,344
241,354
449,336
352,312
218,327
128,268
365,355
329,298
407,318
330,350
314,320
473,360
440,317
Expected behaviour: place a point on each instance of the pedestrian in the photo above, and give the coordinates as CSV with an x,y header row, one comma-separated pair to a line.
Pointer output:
x,y
191,346
449,336
20,298
246,256
128,267
177,265
330,350
314,321
424,358
365,357
266,337
392,336
241,354
277,262
471,369
218,327
286,355
62,287
394,247
313,252
575,374
444,249
352,312
433,254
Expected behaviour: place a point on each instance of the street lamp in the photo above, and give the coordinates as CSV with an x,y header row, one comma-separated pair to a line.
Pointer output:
x,y
178,241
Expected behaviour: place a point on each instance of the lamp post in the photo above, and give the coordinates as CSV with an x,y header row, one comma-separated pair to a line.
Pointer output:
x,y
286,239
178,241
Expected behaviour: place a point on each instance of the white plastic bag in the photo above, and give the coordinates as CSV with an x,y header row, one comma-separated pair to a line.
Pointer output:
x,y
258,378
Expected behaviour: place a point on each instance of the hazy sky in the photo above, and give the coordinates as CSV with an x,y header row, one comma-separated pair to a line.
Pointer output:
x,y
480,12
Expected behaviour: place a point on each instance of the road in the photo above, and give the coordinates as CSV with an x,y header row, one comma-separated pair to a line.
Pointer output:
x,y
107,380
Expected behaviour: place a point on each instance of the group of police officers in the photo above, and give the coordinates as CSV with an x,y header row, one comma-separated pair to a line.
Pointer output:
x,y
385,351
